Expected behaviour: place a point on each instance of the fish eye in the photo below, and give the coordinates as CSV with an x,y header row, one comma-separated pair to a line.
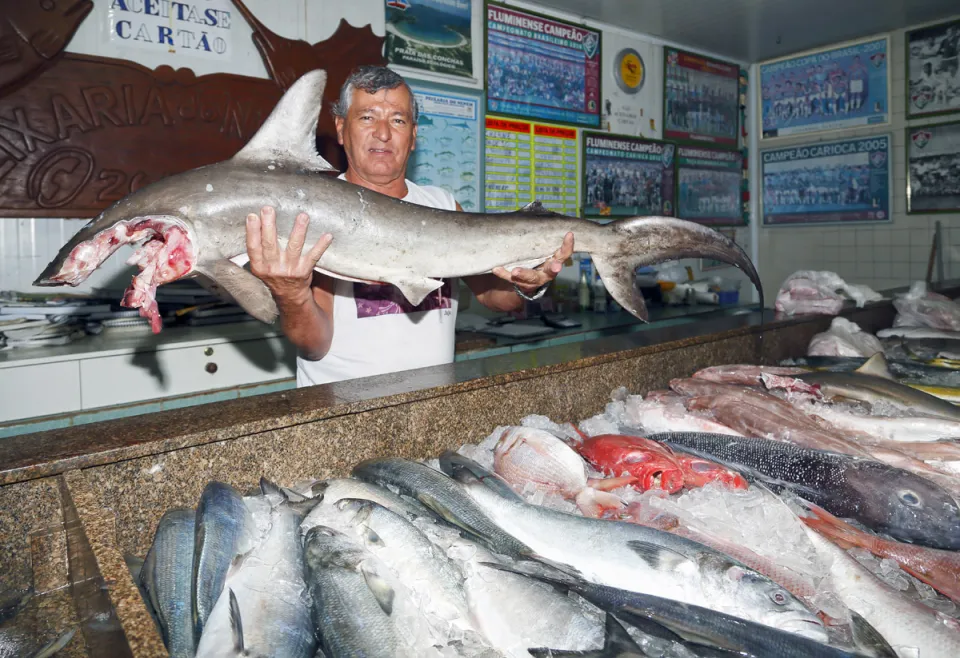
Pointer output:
x,y
910,498
779,597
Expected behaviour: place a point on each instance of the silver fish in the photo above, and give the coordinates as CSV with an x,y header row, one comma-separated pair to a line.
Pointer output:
x,y
194,224
644,560
422,567
166,575
337,489
263,609
351,603
222,520
873,389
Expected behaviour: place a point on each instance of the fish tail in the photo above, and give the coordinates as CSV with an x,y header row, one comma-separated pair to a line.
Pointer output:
x,y
639,241
840,532
595,503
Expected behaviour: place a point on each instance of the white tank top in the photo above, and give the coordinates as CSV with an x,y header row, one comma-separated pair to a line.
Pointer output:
x,y
375,329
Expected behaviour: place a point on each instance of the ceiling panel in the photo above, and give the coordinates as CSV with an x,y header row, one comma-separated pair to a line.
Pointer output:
x,y
755,30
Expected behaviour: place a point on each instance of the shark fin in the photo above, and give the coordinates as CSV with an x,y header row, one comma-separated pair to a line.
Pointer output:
x,y
415,290
247,290
289,135
877,366
537,209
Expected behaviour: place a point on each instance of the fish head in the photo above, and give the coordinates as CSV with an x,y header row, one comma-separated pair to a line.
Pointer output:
x,y
767,602
653,465
166,252
906,506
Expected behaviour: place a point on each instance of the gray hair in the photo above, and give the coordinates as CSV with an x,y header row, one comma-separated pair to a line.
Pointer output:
x,y
371,79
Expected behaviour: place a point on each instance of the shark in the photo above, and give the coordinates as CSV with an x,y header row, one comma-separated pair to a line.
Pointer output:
x,y
193,225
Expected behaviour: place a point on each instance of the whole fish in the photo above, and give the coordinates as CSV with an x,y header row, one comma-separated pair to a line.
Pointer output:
x,y
263,609
351,602
918,332
883,498
337,489
529,455
642,559
443,496
696,624
422,567
194,223
653,466
910,429
939,569
747,375
901,369
911,628
873,389
223,523
166,575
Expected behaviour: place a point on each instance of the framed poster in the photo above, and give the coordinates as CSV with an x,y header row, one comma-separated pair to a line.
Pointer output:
x,y
627,176
527,161
542,68
632,86
933,168
701,99
827,182
449,134
430,35
933,78
829,89
709,185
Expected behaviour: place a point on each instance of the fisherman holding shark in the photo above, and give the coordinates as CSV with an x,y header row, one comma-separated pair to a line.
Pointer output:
x,y
344,329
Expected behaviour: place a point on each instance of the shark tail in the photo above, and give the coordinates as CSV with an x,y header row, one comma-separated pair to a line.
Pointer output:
x,y
639,241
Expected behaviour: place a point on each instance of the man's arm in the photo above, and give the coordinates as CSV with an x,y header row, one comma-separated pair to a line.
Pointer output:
x,y
304,298
496,290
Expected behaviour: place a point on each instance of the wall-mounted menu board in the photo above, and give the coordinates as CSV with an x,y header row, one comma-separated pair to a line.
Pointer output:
x,y
625,176
826,182
542,68
448,142
710,183
701,100
527,161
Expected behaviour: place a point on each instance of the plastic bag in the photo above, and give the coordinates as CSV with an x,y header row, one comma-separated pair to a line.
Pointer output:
x,y
844,338
923,308
819,293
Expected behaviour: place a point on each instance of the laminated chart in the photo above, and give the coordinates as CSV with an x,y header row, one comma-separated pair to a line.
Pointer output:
x,y
527,161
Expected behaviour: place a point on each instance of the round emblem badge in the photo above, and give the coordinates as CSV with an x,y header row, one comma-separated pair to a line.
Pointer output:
x,y
629,71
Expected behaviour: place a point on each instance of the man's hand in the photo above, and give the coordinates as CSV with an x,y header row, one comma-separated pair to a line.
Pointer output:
x,y
529,281
287,273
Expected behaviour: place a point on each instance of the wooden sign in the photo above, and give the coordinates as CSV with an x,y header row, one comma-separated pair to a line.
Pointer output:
x,y
82,132
33,33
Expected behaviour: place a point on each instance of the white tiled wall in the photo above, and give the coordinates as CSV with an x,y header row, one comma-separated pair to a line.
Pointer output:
x,y
878,255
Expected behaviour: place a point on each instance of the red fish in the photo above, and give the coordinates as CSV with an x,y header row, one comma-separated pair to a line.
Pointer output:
x,y
654,465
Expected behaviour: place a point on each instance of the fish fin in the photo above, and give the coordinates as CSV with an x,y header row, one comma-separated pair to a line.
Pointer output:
x,y
866,637
594,503
464,470
441,510
269,487
289,135
537,209
657,556
415,289
236,624
54,646
379,587
244,288
877,366
371,538
639,241
685,632
561,576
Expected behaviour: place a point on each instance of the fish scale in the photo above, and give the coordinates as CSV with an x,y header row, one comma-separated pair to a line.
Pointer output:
x,y
884,498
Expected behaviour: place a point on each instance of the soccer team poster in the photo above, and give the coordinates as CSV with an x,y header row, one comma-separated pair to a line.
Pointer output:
x,y
709,184
933,70
933,168
627,176
830,89
542,68
701,98
842,181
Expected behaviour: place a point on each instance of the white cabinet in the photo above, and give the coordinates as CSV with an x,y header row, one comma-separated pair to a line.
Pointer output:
x,y
39,390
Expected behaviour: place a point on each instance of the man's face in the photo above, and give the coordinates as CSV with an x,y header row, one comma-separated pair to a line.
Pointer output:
x,y
378,134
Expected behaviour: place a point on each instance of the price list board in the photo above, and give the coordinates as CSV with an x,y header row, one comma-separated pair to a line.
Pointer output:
x,y
555,167
527,161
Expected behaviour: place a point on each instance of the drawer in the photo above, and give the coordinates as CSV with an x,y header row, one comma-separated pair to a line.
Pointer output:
x,y
39,390
181,371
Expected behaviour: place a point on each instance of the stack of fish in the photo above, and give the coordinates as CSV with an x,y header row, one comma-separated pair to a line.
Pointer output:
x,y
748,511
